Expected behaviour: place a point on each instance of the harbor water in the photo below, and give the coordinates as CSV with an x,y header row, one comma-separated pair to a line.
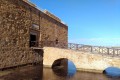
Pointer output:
x,y
39,73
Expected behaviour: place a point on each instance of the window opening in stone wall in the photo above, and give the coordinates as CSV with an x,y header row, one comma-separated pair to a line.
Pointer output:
x,y
33,40
56,41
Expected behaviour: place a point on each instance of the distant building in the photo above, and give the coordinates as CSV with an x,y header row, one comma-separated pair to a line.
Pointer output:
x,y
23,26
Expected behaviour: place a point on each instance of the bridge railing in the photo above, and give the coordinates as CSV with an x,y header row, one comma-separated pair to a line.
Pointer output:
x,y
112,51
95,49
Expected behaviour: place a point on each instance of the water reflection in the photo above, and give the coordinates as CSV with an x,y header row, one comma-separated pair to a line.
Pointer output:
x,y
39,73
48,74
26,73
112,72
64,67
71,68
60,67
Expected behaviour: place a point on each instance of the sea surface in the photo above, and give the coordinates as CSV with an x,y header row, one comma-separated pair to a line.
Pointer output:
x,y
37,73
49,75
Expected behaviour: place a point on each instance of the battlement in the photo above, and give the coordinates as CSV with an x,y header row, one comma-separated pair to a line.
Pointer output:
x,y
27,1
51,15
45,11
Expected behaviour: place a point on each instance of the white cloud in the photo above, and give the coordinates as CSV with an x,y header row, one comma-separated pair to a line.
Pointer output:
x,y
98,41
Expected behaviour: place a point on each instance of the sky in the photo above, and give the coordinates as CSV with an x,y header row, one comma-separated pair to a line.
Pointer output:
x,y
90,22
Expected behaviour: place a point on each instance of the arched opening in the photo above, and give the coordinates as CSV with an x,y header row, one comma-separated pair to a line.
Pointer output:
x,y
63,67
112,72
60,66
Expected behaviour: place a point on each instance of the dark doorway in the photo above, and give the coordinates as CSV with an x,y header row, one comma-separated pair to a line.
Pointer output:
x,y
33,40
32,37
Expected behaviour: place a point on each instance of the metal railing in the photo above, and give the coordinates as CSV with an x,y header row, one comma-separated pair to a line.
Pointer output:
x,y
42,44
112,51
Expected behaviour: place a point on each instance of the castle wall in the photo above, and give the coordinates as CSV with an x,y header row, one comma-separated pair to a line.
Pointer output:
x,y
52,30
10,57
16,20
15,23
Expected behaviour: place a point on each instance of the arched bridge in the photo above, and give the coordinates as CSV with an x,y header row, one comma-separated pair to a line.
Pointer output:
x,y
86,58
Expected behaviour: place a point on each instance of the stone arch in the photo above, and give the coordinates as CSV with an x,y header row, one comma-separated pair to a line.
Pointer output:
x,y
109,69
104,71
61,66
112,72
59,62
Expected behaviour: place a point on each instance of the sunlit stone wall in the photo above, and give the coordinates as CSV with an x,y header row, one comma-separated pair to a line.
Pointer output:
x,y
16,20
84,61
10,57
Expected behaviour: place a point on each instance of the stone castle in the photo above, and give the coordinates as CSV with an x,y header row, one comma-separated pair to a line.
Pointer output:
x,y
24,29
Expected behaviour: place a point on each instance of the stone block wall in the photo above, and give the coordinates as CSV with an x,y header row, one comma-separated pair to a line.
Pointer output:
x,y
14,24
10,57
16,20
52,30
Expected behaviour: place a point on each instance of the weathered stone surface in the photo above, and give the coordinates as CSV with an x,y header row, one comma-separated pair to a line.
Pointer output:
x,y
52,30
51,15
14,25
18,56
16,20
83,60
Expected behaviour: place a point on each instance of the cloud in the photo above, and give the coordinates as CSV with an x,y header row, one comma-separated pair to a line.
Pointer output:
x,y
98,41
